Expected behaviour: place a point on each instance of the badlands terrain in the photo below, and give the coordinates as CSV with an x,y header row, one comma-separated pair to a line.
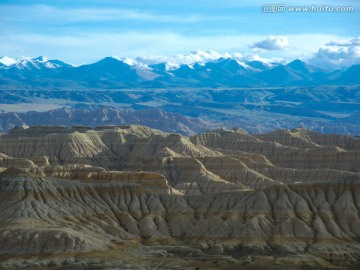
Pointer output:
x,y
132,197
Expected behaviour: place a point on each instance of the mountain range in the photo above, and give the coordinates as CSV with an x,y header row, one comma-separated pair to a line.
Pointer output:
x,y
122,73
328,109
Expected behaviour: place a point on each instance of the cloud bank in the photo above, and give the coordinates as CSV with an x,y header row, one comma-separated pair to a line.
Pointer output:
x,y
200,56
349,42
338,54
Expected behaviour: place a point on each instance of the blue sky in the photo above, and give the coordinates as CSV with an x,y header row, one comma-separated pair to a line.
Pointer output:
x,y
85,31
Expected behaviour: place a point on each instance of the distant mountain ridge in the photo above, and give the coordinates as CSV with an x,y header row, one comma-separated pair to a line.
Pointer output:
x,y
155,118
122,73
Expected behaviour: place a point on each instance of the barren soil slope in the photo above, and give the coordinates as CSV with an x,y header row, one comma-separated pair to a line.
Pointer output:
x,y
134,197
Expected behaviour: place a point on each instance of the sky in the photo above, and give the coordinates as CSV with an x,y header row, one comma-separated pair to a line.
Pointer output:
x,y
81,31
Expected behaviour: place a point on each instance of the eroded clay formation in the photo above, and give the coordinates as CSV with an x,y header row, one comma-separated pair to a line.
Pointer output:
x,y
225,195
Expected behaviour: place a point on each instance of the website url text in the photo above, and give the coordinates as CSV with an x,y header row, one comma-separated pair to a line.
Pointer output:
x,y
281,8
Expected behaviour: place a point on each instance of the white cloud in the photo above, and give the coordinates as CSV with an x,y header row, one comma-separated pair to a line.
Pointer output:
x,y
196,56
200,56
333,58
132,62
338,53
153,59
271,43
255,57
345,42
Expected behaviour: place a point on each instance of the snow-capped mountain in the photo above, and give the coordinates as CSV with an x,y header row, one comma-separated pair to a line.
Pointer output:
x,y
26,68
112,72
28,63
261,65
7,61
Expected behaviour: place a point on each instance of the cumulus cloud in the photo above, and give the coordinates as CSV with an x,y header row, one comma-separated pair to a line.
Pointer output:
x,y
197,56
338,54
271,43
131,62
345,42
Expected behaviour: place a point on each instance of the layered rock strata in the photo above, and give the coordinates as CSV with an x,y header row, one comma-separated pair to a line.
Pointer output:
x,y
243,199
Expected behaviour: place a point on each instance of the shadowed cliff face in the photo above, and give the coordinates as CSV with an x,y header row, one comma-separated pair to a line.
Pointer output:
x,y
287,197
